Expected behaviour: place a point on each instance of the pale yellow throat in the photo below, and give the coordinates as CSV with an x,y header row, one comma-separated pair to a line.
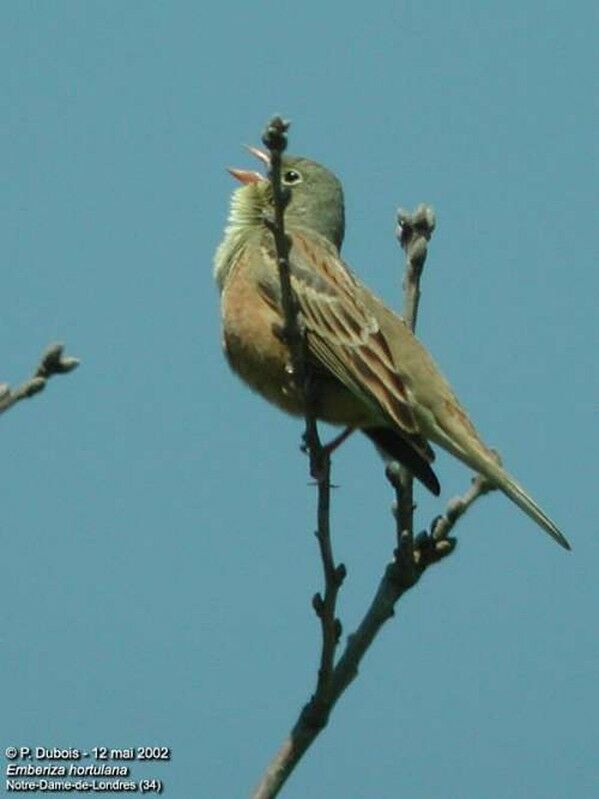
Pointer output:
x,y
245,217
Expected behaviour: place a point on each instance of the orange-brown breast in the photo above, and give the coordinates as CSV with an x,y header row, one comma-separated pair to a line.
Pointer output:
x,y
262,361
251,347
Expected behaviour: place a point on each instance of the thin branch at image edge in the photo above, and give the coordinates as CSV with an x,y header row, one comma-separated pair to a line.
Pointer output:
x,y
53,362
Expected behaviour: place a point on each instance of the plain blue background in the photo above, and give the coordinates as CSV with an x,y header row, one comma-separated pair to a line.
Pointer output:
x,y
157,548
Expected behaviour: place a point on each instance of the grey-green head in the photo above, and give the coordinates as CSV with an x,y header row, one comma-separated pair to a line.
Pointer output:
x,y
315,202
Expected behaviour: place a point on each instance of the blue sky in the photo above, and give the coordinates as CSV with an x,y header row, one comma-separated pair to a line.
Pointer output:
x,y
158,557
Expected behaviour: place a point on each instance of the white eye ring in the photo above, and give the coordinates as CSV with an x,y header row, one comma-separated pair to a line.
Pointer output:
x,y
291,177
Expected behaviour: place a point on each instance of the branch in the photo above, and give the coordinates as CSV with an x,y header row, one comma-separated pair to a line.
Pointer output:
x,y
294,334
53,362
457,507
400,575
413,232
412,556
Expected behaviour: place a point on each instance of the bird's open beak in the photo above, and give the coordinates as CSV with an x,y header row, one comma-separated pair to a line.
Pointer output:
x,y
249,176
245,175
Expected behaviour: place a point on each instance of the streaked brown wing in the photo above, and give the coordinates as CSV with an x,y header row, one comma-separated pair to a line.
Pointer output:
x,y
344,335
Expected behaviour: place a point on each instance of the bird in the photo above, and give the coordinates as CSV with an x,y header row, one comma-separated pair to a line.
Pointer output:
x,y
370,371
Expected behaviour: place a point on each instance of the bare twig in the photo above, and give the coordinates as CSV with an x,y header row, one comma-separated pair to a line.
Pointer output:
x,y
413,232
457,507
53,362
275,139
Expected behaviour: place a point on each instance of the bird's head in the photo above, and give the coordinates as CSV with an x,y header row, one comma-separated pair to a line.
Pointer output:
x,y
315,196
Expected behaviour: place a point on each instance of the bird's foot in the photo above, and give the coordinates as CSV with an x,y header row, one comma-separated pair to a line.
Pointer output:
x,y
320,454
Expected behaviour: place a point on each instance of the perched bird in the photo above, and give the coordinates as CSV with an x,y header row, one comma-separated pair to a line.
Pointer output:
x,y
371,372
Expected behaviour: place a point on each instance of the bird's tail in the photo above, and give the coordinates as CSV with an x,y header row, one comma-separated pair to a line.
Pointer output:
x,y
496,474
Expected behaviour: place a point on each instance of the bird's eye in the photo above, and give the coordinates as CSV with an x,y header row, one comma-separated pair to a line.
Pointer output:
x,y
291,176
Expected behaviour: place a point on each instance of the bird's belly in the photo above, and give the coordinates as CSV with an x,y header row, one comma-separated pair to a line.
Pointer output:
x,y
253,350
262,361
264,369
